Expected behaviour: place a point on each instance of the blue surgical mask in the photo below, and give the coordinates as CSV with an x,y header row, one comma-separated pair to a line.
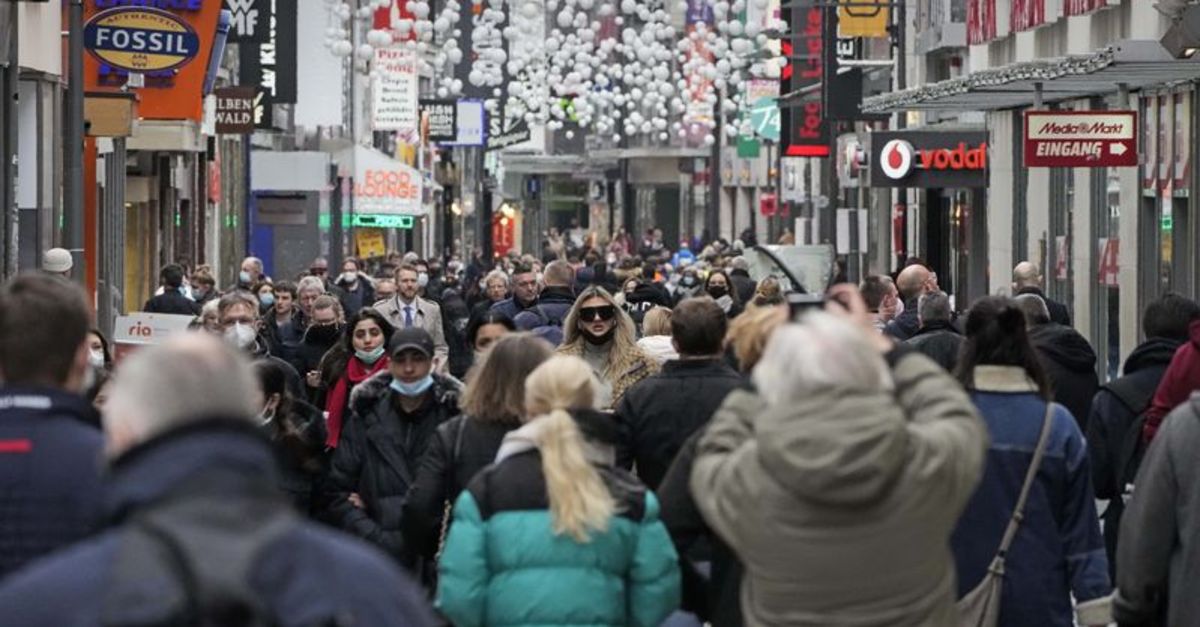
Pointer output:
x,y
370,357
266,299
416,388
244,277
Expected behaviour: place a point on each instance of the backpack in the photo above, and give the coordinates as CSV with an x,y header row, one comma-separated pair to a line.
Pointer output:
x,y
549,328
1133,446
188,562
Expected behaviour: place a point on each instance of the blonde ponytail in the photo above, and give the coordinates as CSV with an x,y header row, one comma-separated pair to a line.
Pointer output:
x,y
579,499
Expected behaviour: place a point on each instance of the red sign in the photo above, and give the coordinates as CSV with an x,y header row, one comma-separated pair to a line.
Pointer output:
x,y
898,158
1110,261
805,131
1080,139
1083,7
981,21
1027,14
767,205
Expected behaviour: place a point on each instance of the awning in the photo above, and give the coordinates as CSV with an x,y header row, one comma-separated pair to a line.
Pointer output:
x,y
541,164
1136,64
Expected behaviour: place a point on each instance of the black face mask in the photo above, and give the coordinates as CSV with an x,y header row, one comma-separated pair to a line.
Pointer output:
x,y
599,340
324,333
717,291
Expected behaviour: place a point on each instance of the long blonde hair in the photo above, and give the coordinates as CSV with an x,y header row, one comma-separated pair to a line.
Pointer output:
x,y
579,499
625,353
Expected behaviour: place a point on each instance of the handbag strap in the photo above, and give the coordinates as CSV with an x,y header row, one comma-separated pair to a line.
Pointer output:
x,y
1014,523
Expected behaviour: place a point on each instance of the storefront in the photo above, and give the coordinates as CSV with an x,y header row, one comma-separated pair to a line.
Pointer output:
x,y
948,226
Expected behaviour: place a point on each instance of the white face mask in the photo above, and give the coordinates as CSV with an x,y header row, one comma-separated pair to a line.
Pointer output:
x,y
422,279
241,335
96,358
349,277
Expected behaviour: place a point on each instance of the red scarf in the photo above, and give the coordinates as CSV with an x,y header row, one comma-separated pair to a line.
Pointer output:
x,y
335,405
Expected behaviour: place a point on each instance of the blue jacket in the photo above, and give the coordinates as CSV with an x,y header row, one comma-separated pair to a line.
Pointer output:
x,y
503,565
682,255
510,307
50,462
1058,550
308,574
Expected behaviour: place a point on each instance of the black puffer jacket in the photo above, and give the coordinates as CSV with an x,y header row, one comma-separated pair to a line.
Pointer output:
x,y
661,412
939,341
1071,364
1114,409
461,448
300,452
378,455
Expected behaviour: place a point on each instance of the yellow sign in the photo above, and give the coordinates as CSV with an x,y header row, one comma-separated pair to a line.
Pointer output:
x,y
139,39
863,20
370,243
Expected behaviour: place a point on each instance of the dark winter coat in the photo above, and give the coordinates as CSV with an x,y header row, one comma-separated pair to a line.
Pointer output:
x,y
284,341
1071,364
510,307
939,341
661,412
309,356
303,462
261,351
455,317
1058,311
905,325
1059,552
714,596
503,565
354,300
308,575
461,448
1115,408
546,318
646,296
744,285
1159,552
172,301
50,461
378,456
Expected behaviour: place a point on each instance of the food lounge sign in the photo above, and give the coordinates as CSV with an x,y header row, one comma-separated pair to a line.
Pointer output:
x,y
926,159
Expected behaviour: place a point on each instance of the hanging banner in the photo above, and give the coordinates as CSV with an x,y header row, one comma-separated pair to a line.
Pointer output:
x,y
394,93
439,120
170,47
1110,261
1150,142
1183,130
805,130
266,53
1166,144
1028,14
982,25
864,20
235,110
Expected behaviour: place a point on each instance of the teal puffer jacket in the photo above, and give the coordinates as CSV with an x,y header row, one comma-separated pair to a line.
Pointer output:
x,y
502,564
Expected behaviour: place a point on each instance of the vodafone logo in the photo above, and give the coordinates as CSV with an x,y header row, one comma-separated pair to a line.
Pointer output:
x,y
896,159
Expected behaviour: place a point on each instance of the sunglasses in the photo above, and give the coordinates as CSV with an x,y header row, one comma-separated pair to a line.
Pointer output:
x,y
591,314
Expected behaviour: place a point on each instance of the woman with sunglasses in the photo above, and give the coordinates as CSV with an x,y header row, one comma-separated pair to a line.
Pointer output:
x,y
602,334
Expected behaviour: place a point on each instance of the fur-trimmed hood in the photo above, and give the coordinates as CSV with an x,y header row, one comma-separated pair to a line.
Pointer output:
x,y
365,395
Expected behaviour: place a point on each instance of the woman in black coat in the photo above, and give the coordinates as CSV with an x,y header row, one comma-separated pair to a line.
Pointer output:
x,y
492,403
297,430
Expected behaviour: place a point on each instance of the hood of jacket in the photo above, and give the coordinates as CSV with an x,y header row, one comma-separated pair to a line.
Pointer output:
x,y
365,395
600,435
1065,346
658,347
225,450
936,326
646,292
1156,351
839,446
553,295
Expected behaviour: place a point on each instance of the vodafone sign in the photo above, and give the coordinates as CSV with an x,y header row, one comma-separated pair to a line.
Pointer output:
x,y
929,159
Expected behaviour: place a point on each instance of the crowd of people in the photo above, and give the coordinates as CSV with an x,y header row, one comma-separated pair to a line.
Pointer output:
x,y
642,438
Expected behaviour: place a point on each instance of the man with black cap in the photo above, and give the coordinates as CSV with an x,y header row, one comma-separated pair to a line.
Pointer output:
x,y
393,415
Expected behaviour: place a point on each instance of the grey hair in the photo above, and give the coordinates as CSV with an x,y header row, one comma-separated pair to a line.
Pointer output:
x,y
310,283
821,351
496,275
257,263
934,307
188,379
1035,309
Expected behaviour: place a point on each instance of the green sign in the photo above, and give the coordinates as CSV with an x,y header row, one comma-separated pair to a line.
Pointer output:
x,y
764,117
748,147
1168,222
375,220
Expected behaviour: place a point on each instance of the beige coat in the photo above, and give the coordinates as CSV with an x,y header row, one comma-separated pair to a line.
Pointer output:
x,y
426,315
841,507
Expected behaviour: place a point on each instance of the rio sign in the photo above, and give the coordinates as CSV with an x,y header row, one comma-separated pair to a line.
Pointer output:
x,y
140,39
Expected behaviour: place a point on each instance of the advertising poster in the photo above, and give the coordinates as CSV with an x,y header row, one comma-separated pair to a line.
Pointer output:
x,y
394,97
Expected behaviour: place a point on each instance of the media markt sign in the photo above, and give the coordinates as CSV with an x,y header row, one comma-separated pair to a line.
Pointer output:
x,y
1081,139
139,39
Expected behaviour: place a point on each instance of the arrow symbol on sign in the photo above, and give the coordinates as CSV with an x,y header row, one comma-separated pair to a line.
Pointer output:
x,y
1118,149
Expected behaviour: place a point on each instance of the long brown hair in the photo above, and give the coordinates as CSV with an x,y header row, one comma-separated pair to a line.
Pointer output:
x,y
496,386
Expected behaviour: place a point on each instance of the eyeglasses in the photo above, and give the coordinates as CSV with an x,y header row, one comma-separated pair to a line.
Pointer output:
x,y
591,314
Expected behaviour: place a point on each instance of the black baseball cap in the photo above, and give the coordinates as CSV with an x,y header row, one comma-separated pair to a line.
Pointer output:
x,y
412,338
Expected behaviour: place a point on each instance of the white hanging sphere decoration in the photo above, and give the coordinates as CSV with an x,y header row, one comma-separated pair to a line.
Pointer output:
x,y
343,48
